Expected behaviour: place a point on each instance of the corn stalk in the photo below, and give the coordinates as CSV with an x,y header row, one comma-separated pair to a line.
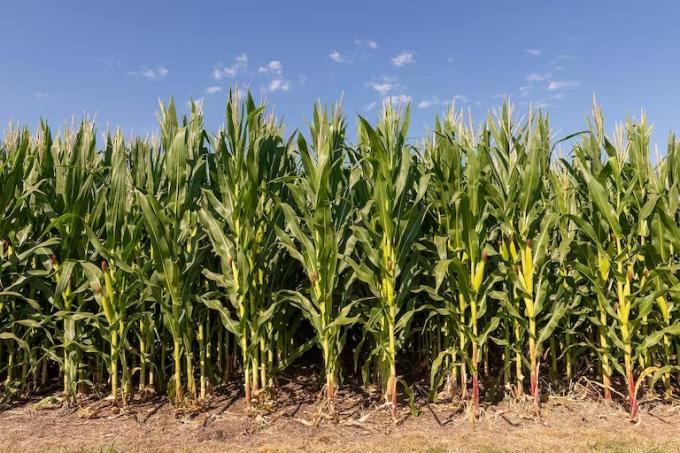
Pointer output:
x,y
389,218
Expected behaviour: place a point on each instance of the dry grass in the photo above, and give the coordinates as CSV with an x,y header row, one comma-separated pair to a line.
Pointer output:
x,y
293,423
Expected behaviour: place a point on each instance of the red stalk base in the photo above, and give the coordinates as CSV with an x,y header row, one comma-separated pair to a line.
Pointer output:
x,y
534,389
632,397
475,396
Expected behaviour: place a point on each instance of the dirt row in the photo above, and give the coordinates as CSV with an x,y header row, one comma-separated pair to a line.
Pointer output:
x,y
298,422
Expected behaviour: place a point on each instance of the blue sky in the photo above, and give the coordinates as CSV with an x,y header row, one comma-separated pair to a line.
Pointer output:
x,y
116,59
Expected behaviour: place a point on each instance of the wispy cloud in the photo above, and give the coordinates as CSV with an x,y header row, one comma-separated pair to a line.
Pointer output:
x,y
40,95
370,106
363,48
382,88
534,52
384,85
534,81
546,101
561,60
274,67
366,43
240,65
562,84
436,102
537,77
278,82
404,58
278,85
271,75
337,56
157,73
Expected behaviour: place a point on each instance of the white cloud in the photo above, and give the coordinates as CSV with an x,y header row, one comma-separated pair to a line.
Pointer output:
x,y
562,84
240,65
547,101
277,82
213,89
278,85
363,48
40,95
533,52
366,44
157,73
537,77
436,102
336,56
382,88
384,85
402,59
370,106
274,67
427,103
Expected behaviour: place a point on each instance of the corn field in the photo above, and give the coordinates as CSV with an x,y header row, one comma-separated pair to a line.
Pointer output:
x,y
491,260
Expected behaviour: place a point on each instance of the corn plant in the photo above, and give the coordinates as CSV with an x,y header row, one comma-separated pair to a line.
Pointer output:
x,y
133,265
389,217
459,168
74,164
619,230
171,220
564,243
518,198
239,218
22,251
665,234
317,235
116,284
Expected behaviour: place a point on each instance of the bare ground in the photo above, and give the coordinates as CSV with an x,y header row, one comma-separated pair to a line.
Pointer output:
x,y
566,423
